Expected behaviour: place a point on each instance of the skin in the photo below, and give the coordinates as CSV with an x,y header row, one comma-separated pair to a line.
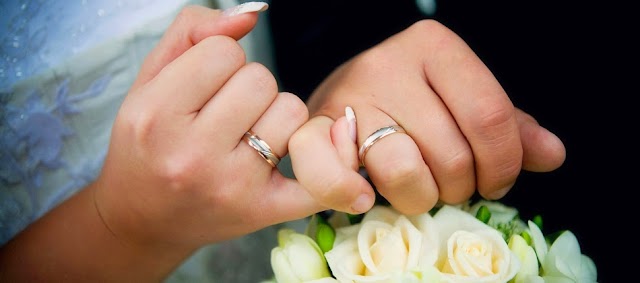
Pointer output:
x,y
178,174
463,132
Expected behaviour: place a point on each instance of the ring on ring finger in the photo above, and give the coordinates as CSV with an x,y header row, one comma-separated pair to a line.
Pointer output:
x,y
262,148
375,137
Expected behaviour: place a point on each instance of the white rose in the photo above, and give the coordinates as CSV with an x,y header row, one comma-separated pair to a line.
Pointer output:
x,y
383,246
470,250
298,259
427,274
323,280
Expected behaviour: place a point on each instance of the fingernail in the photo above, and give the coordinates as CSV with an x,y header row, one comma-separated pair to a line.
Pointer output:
x,y
247,7
351,120
362,204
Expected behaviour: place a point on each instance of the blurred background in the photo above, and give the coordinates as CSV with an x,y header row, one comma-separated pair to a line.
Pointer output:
x,y
560,61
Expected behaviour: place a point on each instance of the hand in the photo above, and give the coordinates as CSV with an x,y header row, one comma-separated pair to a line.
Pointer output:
x,y
178,172
462,131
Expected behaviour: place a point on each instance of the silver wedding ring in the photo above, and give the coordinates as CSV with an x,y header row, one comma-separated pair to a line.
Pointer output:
x,y
375,137
262,148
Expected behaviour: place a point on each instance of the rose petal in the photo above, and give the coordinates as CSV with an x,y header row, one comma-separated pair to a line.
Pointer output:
x,y
371,232
470,250
344,260
381,213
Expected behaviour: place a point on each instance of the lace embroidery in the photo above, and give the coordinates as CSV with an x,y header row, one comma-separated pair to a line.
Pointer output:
x,y
33,136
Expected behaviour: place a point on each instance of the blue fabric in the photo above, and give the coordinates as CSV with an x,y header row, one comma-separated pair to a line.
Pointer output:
x,y
59,96
33,136
65,67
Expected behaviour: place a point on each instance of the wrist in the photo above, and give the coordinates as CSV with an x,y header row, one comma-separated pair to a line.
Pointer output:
x,y
72,243
140,247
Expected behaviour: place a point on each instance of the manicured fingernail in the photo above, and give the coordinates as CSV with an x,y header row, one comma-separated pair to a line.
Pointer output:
x,y
362,204
351,120
247,7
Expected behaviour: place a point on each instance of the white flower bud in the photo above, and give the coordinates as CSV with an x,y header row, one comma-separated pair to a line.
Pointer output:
x,y
527,256
297,258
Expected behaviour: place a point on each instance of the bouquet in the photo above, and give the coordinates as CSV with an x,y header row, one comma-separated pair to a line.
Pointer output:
x,y
483,241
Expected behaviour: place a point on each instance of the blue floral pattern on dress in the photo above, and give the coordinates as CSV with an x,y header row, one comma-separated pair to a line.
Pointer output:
x,y
33,136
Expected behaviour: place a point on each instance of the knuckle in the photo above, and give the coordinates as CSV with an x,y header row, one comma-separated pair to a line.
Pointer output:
x,y
436,32
495,115
262,78
223,48
400,172
495,123
139,125
431,32
456,179
384,59
176,171
299,140
333,191
459,164
376,62
185,15
508,170
497,129
223,198
293,108
426,27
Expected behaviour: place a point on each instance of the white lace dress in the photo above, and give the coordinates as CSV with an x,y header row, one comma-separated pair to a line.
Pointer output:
x,y
65,67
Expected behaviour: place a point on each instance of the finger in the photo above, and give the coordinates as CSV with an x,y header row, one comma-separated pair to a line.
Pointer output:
x,y
285,115
423,115
395,165
238,105
478,103
192,25
442,145
543,151
187,83
285,200
343,137
320,169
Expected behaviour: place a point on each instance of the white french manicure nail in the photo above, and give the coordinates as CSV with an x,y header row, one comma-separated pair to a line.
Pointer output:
x,y
351,119
247,7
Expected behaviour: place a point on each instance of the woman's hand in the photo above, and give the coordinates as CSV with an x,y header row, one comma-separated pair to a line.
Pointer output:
x,y
178,172
462,131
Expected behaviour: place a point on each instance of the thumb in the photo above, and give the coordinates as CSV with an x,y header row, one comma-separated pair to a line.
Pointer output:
x,y
543,151
192,25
